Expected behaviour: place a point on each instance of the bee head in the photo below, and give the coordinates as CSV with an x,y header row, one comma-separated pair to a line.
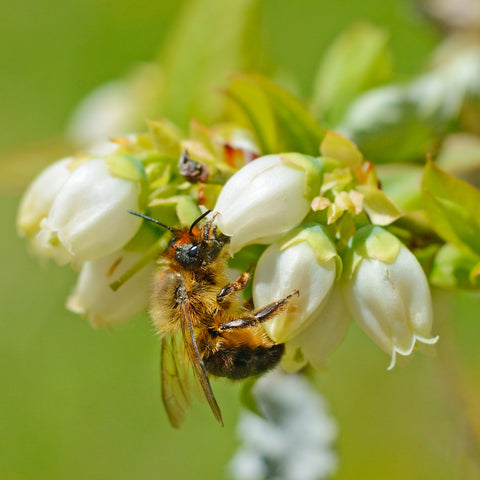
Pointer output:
x,y
199,248
186,254
196,246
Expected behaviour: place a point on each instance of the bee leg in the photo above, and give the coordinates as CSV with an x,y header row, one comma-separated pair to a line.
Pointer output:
x,y
239,284
260,316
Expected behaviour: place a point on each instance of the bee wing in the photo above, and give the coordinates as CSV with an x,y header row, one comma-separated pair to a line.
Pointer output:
x,y
196,360
175,381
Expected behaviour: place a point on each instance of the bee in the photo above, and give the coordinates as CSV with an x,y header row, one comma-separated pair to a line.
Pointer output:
x,y
203,325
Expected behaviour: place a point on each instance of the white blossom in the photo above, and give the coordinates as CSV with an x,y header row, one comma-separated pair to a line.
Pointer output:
x,y
388,293
94,298
325,331
116,107
88,218
39,196
304,260
266,198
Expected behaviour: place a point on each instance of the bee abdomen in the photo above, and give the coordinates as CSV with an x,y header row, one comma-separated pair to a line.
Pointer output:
x,y
237,362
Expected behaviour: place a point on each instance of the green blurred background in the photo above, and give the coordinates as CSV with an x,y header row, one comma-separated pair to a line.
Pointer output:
x,y
78,403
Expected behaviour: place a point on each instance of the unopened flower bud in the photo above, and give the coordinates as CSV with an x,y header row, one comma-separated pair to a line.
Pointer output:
x,y
304,260
88,218
267,197
94,298
387,292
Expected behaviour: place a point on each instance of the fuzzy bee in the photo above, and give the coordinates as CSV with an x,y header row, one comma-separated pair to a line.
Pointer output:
x,y
204,326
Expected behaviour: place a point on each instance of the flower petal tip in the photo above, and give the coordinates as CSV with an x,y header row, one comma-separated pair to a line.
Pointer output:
x,y
406,353
428,341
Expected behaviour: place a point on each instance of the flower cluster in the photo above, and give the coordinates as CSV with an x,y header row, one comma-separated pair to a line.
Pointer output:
x,y
323,220
76,211
316,224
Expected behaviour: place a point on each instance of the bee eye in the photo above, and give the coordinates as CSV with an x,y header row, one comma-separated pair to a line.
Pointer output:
x,y
192,251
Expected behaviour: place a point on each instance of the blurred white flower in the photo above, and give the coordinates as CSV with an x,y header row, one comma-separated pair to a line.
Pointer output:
x,y
379,106
388,293
94,298
267,197
116,107
293,441
39,196
443,91
88,217
303,260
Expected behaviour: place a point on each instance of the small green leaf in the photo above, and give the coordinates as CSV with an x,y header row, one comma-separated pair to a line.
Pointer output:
x,y
187,210
146,236
336,146
358,59
453,208
150,256
297,128
454,269
127,167
279,120
312,167
247,398
317,238
252,109
166,137
370,242
379,207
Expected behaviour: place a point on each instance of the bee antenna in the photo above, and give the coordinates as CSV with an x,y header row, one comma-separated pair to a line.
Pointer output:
x,y
150,219
201,217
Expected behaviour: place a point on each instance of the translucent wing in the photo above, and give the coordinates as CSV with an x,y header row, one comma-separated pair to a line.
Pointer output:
x,y
175,380
196,360
183,372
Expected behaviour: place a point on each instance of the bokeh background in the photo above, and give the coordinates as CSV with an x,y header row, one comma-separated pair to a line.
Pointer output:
x,y
78,403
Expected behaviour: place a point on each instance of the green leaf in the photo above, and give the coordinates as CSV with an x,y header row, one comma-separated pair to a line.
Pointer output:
x,y
126,167
317,238
370,242
247,398
312,167
358,59
453,208
166,137
454,269
336,146
252,109
379,207
210,39
187,210
280,121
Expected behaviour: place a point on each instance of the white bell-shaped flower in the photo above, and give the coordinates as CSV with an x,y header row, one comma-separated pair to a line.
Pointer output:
x,y
323,334
88,218
304,260
39,196
267,197
94,298
387,292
